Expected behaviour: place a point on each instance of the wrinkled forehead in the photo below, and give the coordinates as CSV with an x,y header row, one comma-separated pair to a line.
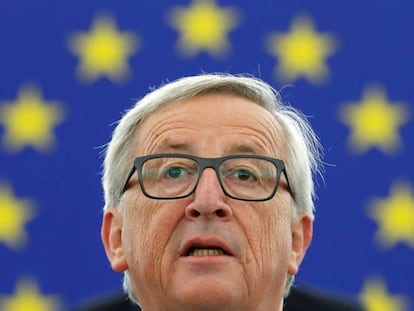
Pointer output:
x,y
212,114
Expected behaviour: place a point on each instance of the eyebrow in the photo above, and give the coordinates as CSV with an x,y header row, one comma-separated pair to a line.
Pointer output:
x,y
176,147
188,148
242,149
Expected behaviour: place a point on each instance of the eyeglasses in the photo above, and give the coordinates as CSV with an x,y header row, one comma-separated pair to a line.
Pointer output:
x,y
175,176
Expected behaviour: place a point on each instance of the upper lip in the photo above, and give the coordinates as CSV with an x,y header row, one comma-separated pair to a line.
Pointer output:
x,y
205,242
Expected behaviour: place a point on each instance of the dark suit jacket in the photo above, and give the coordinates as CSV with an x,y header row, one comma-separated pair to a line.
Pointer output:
x,y
299,299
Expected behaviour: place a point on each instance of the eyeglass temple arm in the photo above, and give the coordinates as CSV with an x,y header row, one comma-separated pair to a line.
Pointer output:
x,y
131,172
288,183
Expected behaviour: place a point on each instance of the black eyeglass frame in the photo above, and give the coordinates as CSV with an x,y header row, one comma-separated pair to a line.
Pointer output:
x,y
204,163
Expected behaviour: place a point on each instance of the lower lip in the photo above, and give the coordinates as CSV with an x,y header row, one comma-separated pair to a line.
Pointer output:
x,y
212,259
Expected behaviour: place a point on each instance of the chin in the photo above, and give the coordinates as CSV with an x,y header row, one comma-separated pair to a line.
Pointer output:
x,y
210,294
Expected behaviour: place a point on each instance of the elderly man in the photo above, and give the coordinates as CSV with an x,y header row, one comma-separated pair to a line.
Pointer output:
x,y
209,196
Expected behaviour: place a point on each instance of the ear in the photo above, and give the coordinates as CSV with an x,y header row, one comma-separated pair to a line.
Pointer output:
x,y
302,229
111,234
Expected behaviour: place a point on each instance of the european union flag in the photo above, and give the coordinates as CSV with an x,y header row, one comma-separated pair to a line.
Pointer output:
x,y
69,68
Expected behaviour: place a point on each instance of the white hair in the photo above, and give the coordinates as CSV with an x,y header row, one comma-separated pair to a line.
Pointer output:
x,y
303,160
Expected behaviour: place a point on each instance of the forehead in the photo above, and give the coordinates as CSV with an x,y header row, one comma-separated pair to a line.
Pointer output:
x,y
221,122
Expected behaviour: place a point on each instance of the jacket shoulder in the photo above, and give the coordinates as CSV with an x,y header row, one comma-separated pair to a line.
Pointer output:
x,y
301,299
117,302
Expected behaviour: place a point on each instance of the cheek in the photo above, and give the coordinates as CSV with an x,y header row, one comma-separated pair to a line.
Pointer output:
x,y
270,235
279,227
147,232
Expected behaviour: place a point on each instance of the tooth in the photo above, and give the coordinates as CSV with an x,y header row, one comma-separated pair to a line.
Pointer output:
x,y
206,252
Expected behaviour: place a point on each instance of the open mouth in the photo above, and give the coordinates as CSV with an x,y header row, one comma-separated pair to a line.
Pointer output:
x,y
205,246
199,251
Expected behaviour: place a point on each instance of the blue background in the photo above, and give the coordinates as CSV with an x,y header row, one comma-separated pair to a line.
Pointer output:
x,y
64,253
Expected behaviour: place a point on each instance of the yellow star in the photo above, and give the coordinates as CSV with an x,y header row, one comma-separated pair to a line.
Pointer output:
x,y
104,50
14,214
374,297
203,26
395,216
374,121
302,52
28,298
29,121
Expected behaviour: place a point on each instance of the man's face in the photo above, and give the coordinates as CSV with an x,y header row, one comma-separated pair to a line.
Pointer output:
x,y
151,238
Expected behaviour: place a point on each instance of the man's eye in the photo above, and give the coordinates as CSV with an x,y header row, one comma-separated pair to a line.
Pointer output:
x,y
244,175
175,172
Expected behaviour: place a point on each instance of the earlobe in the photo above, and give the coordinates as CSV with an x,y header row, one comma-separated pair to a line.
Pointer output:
x,y
111,234
302,230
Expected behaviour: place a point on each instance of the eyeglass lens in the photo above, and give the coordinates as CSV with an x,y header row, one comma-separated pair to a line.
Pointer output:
x,y
244,178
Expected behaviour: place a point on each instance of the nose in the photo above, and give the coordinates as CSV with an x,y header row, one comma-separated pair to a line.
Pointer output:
x,y
209,199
